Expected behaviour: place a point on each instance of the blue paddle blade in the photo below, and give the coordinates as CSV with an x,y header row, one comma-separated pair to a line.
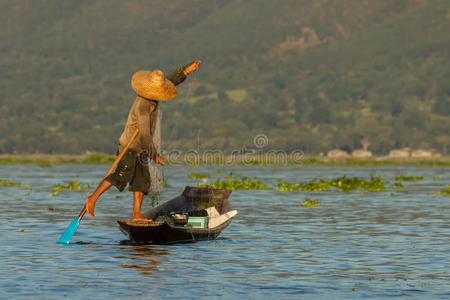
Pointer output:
x,y
70,231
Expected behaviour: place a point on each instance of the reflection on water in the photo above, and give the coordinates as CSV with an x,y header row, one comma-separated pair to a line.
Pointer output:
x,y
146,258
372,245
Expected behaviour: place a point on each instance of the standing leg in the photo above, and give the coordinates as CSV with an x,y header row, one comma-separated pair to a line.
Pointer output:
x,y
137,216
90,200
119,178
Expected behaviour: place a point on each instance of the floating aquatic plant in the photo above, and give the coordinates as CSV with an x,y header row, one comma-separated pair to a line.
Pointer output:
x,y
446,190
72,186
310,203
235,183
408,178
198,175
399,185
9,183
284,186
316,185
343,184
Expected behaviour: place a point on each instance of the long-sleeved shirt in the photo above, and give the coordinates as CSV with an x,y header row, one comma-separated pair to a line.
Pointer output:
x,y
143,115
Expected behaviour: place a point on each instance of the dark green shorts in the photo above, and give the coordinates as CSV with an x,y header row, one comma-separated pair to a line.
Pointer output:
x,y
133,171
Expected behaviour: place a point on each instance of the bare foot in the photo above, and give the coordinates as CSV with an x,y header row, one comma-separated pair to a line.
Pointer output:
x,y
90,205
140,218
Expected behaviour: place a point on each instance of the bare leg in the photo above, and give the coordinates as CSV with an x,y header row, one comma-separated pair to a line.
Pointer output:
x,y
137,216
90,200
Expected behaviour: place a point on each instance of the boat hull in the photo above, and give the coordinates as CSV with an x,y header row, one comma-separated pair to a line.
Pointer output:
x,y
140,232
192,200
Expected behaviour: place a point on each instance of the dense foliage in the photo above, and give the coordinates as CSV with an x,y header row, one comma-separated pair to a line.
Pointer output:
x,y
310,74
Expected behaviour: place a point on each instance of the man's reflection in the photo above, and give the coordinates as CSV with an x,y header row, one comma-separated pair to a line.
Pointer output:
x,y
147,258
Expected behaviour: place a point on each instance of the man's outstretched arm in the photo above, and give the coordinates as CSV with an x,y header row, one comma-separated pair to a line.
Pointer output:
x,y
179,75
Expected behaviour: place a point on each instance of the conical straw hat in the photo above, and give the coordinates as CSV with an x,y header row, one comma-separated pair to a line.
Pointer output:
x,y
153,85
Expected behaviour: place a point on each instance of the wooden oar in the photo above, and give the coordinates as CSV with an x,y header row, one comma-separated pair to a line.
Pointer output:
x,y
70,231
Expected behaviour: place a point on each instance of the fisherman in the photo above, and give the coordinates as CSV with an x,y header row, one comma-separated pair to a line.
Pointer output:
x,y
150,87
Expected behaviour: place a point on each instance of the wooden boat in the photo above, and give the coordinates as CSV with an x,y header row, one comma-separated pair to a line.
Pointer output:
x,y
193,201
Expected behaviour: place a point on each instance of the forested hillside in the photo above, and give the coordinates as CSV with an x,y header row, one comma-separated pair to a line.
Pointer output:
x,y
310,74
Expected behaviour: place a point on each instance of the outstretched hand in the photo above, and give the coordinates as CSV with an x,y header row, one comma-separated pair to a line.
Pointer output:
x,y
194,66
159,160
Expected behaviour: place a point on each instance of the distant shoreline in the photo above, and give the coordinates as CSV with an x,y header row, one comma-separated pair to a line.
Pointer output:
x,y
100,158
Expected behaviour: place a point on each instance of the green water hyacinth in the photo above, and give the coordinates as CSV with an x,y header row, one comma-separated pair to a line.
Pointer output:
x,y
236,183
198,175
446,190
310,203
343,184
72,186
9,183
316,186
399,185
408,178
287,187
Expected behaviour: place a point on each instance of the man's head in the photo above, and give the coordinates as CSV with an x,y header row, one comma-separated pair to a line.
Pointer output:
x,y
153,85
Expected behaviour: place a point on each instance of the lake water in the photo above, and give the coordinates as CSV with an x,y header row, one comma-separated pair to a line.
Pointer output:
x,y
373,245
